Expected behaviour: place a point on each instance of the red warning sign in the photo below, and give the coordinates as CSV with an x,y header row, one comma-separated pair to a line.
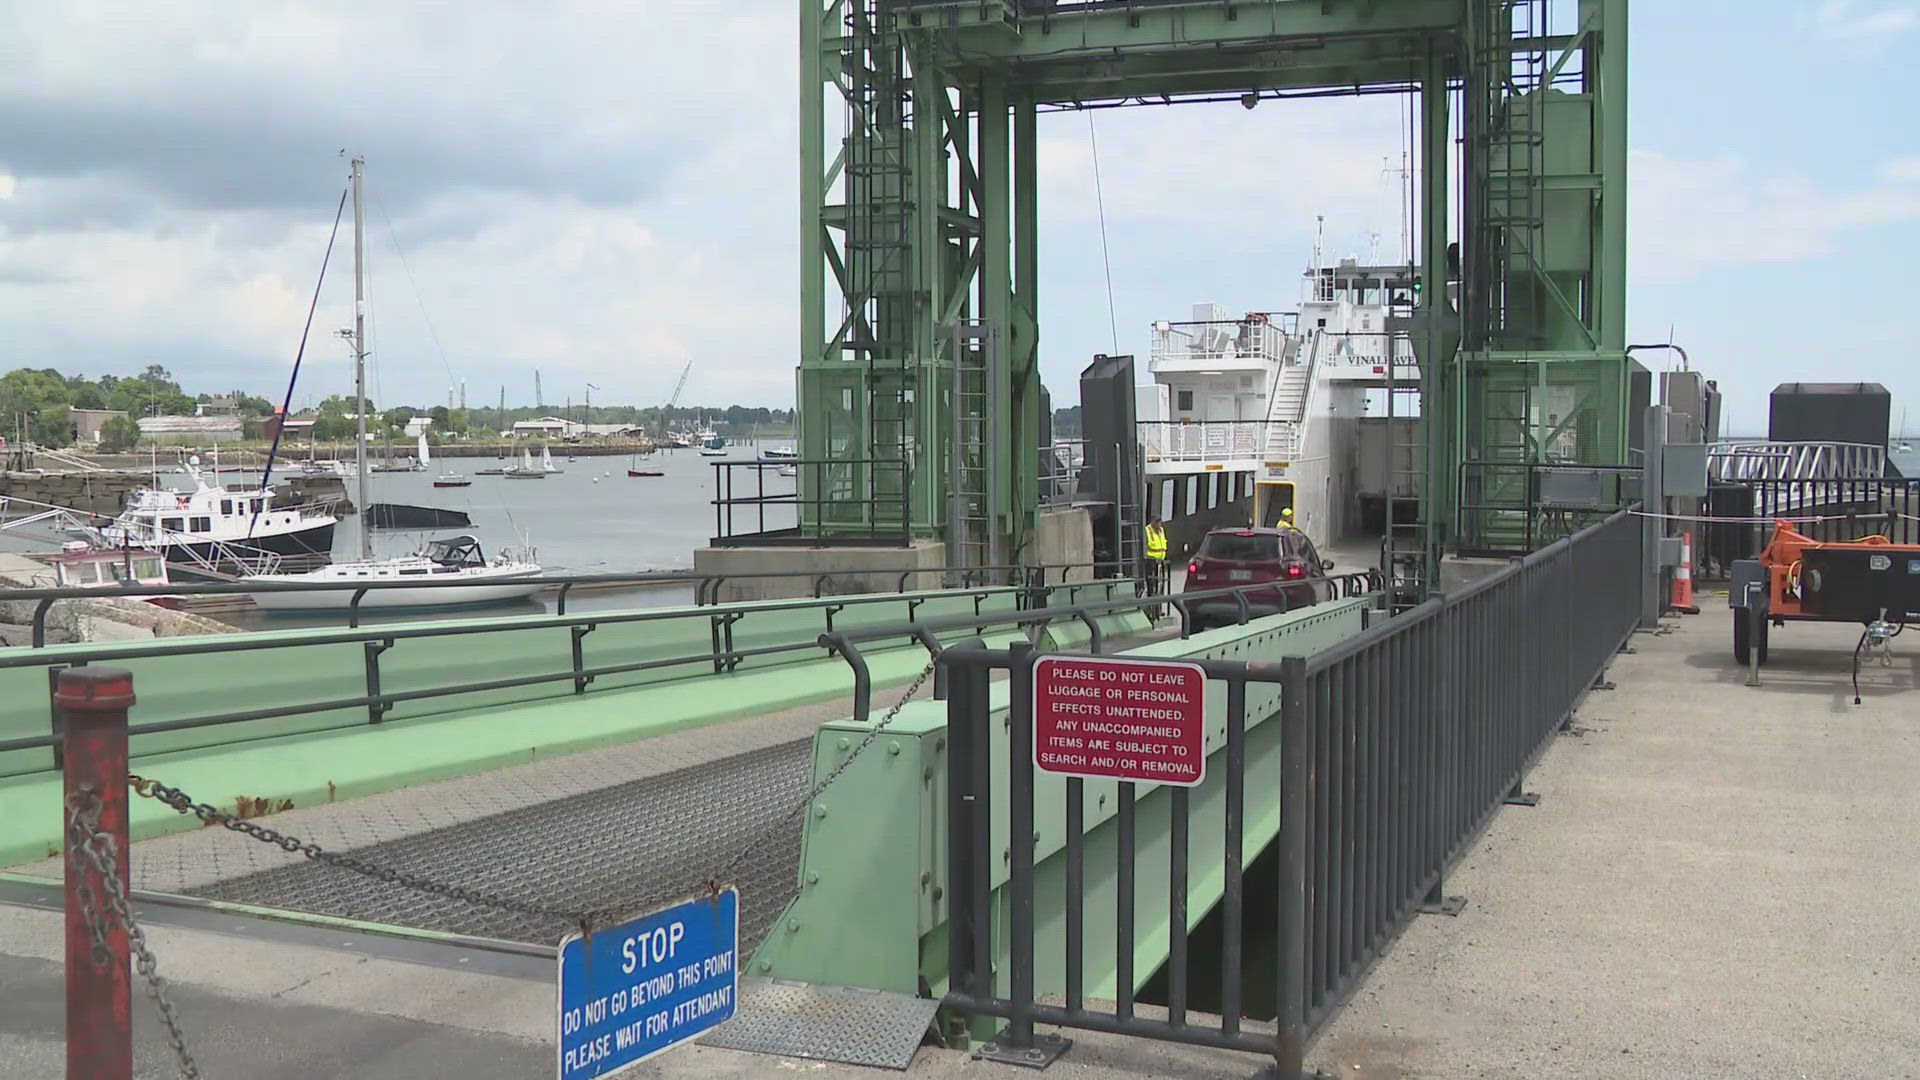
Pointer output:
x,y
1120,719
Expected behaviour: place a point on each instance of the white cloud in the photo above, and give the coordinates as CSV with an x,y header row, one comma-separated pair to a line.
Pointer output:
x,y
599,191
1690,215
1869,23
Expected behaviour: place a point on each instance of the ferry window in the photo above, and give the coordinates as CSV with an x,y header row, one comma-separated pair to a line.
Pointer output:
x,y
1322,323
226,506
1193,495
201,524
174,524
146,568
1184,401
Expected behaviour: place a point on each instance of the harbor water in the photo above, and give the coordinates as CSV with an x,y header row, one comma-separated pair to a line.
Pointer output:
x,y
589,518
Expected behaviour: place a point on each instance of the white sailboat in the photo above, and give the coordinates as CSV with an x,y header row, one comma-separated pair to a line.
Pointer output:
x,y
505,577
526,470
445,479
546,461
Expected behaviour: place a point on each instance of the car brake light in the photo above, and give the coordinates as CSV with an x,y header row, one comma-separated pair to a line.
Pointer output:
x,y
1296,570
1193,568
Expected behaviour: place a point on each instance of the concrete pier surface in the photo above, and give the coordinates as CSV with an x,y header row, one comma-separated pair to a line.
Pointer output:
x,y
1719,881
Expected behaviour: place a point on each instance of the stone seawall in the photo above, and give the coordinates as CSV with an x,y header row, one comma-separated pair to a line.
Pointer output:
x,y
106,492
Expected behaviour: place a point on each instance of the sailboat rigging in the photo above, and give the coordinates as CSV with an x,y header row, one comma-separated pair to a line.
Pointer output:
x,y
505,577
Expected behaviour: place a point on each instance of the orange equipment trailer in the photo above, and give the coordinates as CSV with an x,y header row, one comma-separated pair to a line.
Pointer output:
x,y
1871,581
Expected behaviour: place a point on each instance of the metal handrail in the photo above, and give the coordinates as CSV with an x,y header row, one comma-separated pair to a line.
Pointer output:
x,y
819,533
706,591
845,643
723,656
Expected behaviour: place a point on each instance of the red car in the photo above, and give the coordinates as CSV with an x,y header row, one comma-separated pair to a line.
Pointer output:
x,y
1228,557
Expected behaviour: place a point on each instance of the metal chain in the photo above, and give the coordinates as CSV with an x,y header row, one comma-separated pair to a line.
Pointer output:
x,y
81,826
103,852
182,802
586,920
726,872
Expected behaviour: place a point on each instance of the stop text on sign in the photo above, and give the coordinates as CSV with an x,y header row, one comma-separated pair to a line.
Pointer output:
x,y
1111,719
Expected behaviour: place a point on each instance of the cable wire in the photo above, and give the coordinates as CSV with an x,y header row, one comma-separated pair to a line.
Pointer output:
x,y
1106,257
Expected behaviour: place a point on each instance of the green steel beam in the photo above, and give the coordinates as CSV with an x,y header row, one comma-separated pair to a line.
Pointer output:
x,y
871,910
978,39
1610,88
1545,227
1437,318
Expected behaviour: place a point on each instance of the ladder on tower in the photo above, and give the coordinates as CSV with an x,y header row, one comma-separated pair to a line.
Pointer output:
x,y
972,540
1512,156
1405,547
878,260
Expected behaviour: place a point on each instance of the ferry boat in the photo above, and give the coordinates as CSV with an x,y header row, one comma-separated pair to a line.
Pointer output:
x,y
1310,411
212,523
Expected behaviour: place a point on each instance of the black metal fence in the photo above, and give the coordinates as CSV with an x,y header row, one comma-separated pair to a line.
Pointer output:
x,y
1825,508
1394,748
812,502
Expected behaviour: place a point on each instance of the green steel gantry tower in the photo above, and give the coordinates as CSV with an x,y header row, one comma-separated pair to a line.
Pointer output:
x,y
920,313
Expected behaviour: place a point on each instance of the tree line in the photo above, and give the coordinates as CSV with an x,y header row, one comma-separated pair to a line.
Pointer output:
x,y
37,403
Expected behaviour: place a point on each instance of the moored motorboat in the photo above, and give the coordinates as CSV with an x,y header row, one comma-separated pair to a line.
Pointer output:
x,y
195,526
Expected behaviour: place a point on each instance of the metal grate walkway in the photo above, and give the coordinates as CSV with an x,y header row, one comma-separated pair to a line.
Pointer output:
x,y
589,850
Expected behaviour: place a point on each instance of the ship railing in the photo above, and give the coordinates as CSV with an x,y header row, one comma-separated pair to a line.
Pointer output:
x,y
1738,461
1203,441
1256,337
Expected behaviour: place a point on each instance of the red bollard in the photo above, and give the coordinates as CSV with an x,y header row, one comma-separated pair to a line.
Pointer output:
x,y
93,703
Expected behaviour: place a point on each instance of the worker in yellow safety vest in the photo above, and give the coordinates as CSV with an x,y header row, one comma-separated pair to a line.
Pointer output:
x,y
1156,555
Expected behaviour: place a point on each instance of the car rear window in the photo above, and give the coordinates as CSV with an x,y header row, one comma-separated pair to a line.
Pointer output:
x,y
1233,547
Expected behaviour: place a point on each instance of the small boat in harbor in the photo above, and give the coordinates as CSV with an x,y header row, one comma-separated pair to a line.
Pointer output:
x,y
459,558
451,480
454,560
196,526
634,470
712,445
526,470
81,565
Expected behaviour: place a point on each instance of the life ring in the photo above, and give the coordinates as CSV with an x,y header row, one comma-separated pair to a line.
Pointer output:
x,y
180,502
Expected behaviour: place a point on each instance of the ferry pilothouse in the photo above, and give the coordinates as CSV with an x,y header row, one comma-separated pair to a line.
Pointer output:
x,y
211,523
1312,410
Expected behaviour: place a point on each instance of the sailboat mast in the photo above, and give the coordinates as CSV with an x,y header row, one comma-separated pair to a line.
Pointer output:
x,y
360,356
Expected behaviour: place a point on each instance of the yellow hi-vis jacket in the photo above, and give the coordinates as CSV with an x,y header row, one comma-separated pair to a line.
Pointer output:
x,y
1157,543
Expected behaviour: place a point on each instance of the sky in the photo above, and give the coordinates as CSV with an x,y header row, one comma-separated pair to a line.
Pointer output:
x,y
605,192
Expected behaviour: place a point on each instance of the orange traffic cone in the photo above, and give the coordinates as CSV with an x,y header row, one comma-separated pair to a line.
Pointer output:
x,y
1683,578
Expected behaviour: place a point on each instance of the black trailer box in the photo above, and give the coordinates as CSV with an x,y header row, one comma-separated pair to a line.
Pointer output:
x,y
1858,583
